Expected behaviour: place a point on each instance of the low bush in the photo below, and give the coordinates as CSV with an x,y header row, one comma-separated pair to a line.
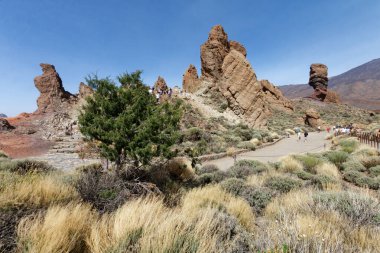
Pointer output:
x,y
353,165
309,162
304,175
337,157
233,185
374,171
210,178
245,168
2,155
246,145
360,208
328,169
193,134
282,184
208,168
324,181
258,198
26,166
349,145
370,161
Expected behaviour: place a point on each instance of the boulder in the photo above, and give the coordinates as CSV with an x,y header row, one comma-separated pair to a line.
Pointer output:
x,y
190,81
313,118
52,94
4,125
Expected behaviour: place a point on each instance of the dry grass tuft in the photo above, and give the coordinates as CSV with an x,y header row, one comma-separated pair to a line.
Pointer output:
x,y
215,196
61,229
328,169
37,190
290,165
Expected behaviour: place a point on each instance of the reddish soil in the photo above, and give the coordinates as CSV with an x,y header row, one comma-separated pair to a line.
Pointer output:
x,y
19,143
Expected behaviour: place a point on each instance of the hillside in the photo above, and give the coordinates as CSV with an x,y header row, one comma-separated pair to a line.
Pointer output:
x,y
2,115
358,86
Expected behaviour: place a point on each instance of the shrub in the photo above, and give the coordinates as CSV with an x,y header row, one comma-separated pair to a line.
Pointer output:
x,y
233,185
208,168
290,131
282,184
353,165
374,171
358,207
244,133
309,162
247,145
351,175
289,164
304,175
370,161
349,145
258,198
244,168
2,155
26,166
209,178
324,181
337,157
193,134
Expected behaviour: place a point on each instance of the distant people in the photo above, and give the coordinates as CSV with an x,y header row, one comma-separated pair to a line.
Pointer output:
x,y
170,92
158,97
151,89
328,130
305,134
299,135
319,129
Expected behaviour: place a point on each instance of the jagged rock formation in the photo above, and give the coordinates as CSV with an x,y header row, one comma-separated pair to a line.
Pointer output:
x,y
238,47
190,81
53,95
313,118
2,115
4,125
160,84
319,81
226,70
213,52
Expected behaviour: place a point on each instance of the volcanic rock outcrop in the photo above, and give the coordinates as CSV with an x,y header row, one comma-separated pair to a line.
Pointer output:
x,y
4,125
319,81
53,95
226,70
190,81
160,85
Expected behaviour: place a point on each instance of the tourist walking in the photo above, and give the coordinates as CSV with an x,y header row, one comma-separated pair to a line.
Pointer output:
x,y
305,134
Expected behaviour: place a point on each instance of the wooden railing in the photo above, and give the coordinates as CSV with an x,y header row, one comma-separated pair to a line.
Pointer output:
x,y
370,139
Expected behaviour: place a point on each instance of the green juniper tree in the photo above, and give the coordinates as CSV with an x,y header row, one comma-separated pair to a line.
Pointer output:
x,y
127,123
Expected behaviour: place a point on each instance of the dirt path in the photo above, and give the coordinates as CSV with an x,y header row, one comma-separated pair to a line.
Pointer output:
x,y
316,142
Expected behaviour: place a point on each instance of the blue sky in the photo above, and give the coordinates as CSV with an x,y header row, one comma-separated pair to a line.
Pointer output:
x,y
163,37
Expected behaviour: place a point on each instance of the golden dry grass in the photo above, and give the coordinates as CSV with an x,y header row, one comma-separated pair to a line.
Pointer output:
x,y
328,169
214,196
37,190
61,229
290,165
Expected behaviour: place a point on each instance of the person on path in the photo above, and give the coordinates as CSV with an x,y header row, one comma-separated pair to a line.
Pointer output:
x,y
319,129
158,97
305,134
299,136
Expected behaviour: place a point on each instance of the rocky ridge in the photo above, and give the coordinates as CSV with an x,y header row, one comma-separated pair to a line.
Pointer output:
x,y
227,72
319,81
